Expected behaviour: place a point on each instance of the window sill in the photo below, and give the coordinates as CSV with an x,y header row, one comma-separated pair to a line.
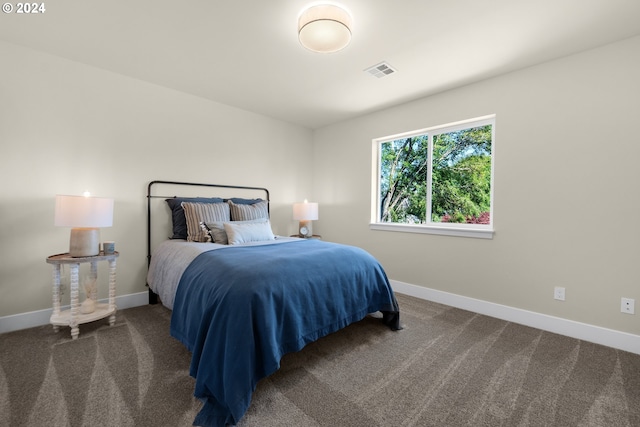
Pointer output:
x,y
478,233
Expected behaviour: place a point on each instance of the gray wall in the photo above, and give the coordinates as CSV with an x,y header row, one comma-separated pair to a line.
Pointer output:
x,y
566,189
66,128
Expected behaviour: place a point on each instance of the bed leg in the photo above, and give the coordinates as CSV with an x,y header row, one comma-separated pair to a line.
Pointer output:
x,y
153,297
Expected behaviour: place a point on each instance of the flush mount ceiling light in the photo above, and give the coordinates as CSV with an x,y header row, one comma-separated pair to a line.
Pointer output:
x,y
324,28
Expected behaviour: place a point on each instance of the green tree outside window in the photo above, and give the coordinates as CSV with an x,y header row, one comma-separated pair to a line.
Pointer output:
x,y
460,177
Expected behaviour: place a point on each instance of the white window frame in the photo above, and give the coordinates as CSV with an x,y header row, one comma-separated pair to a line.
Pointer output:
x,y
483,231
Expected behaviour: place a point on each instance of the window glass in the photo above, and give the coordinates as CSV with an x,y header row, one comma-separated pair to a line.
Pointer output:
x,y
403,178
461,176
439,177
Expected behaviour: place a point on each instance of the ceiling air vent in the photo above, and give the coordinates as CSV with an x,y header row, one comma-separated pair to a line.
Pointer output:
x,y
381,70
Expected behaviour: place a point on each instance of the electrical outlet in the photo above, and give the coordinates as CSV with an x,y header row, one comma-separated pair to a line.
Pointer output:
x,y
627,305
558,293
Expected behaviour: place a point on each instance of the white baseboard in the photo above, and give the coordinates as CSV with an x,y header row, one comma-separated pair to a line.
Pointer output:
x,y
41,317
582,331
609,337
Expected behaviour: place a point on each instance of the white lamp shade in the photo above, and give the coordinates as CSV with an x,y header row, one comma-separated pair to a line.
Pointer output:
x,y
324,28
81,211
305,211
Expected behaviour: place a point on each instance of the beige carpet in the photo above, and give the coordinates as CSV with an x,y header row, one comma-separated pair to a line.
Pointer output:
x,y
448,367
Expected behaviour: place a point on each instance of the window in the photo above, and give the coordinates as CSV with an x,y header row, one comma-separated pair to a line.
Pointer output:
x,y
437,180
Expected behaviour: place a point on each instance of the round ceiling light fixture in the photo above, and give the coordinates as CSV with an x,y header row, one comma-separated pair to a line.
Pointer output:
x,y
324,28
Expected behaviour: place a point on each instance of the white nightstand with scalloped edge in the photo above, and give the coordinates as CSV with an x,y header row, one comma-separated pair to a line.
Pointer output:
x,y
72,317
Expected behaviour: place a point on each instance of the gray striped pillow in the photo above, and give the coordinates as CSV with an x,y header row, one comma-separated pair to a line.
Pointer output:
x,y
247,212
195,213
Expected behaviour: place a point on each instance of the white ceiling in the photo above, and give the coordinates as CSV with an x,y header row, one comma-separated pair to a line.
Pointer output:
x,y
245,53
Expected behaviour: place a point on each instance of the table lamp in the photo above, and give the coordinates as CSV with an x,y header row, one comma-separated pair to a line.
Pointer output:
x,y
305,213
84,214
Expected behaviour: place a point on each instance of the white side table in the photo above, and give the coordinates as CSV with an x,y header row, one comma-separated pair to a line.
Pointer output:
x,y
73,317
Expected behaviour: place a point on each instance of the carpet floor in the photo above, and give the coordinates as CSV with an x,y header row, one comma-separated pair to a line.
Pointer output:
x,y
447,367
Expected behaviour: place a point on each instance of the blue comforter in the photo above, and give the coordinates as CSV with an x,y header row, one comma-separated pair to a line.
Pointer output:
x,y
240,309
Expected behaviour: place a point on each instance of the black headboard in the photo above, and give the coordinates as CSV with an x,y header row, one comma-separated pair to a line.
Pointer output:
x,y
176,185
179,187
173,184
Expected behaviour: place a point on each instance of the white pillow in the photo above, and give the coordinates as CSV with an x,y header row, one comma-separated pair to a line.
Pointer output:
x,y
215,229
243,232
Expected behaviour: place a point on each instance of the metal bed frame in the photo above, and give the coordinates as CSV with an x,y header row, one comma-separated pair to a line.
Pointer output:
x,y
153,298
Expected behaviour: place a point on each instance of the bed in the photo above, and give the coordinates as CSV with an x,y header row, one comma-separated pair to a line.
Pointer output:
x,y
240,306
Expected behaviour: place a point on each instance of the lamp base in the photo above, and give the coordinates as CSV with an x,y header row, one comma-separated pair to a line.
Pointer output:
x,y
84,242
305,228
